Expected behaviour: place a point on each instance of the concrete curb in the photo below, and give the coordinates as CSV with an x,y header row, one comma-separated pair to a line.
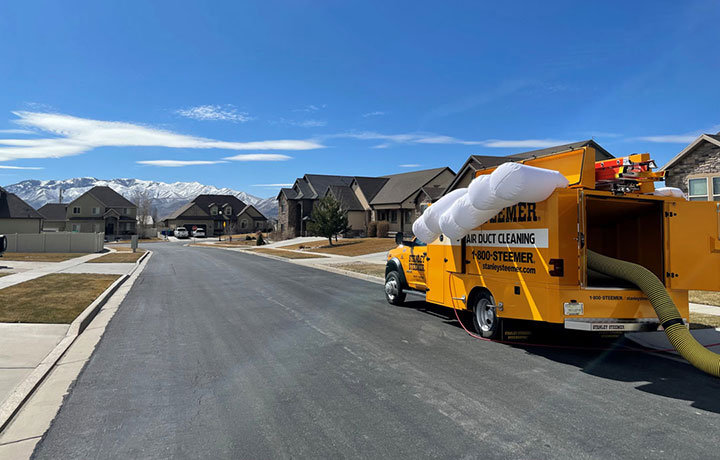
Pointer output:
x,y
339,271
22,392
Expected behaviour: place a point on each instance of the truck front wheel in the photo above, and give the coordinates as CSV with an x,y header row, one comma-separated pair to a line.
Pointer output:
x,y
393,289
485,320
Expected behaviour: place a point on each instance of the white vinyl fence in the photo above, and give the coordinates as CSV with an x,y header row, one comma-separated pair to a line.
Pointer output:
x,y
55,242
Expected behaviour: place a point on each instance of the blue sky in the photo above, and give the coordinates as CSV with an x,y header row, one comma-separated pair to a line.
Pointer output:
x,y
262,92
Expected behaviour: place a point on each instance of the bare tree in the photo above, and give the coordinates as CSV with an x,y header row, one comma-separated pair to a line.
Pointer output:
x,y
144,201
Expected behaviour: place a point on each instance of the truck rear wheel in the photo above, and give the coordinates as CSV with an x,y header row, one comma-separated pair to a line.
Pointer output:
x,y
485,320
393,289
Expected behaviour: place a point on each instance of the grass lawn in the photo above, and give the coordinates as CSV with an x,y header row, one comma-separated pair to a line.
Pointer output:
x,y
362,267
40,256
122,256
706,297
56,298
348,247
701,321
287,254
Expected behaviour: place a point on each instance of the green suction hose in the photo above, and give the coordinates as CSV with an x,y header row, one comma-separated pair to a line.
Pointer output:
x,y
667,312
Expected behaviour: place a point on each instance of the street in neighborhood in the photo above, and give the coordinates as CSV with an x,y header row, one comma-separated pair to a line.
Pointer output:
x,y
220,354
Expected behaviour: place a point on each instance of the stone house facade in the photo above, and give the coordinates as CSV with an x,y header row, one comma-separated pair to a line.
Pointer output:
x,y
696,169
390,198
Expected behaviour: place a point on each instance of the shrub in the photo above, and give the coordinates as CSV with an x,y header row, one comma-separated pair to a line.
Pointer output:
x,y
260,240
372,229
248,237
382,229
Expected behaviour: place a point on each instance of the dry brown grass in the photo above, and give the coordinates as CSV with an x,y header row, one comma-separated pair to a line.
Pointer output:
x,y
705,297
364,268
702,321
287,254
56,298
124,256
349,247
141,240
40,256
5,274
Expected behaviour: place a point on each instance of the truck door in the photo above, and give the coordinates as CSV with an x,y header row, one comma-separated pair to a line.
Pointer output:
x,y
692,245
416,265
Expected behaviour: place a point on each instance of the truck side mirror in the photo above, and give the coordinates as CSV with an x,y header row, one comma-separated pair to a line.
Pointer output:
x,y
399,238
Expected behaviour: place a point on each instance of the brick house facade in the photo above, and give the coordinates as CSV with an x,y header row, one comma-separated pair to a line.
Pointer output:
x,y
696,169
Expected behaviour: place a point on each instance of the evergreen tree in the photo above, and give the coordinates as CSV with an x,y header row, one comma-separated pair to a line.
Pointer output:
x,y
328,219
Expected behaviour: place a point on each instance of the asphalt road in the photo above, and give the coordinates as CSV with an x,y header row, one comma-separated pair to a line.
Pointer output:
x,y
216,354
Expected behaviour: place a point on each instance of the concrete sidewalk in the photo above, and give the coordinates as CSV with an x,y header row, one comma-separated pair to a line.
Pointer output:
x,y
45,269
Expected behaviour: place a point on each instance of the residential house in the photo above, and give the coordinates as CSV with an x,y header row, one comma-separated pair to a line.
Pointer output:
x,y
479,162
392,198
55,217
102,209
696,169
16,216
217,215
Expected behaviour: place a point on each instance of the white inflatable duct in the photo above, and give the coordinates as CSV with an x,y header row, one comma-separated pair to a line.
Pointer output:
x,y
451,229
467,216
669,191
520,183
432,214
480,196
423,233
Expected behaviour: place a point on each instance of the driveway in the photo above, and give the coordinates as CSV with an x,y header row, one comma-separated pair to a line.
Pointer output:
x,y
219,354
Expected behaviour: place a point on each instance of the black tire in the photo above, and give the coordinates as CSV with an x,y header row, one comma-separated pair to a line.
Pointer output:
x,y
393,289
485,320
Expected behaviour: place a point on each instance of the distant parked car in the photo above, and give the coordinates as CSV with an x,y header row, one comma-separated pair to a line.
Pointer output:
x,y
199,233
182,232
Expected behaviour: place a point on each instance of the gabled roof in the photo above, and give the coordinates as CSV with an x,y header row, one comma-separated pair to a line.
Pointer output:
x,y
204,202
399,187
712,138
12,207
370,186
346,196
54,211
288,192
252,212
108,197
319,184
433,192
478,162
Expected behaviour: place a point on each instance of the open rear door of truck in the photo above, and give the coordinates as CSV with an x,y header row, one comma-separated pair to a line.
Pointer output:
x,y
692,245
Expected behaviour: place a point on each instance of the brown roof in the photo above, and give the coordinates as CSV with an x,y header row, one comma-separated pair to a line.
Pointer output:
x,y
400,186
12,207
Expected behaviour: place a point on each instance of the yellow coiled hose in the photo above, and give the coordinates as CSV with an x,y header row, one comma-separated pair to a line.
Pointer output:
x,y
667,312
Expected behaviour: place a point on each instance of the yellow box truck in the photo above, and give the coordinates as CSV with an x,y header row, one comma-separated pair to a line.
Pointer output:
x,y
530,261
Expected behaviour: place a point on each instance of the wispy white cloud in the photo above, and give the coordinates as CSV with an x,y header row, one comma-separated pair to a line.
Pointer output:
x,y
410,165
76,135
376,113
16,131
20,167
429,138
310,123
678,138
259,157
214,113
272,185
311,108
177,163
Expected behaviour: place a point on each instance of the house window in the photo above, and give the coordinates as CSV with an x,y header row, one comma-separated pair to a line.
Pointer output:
x,y
95,211
282,206
76,210
257,224
716,188
382,215
698,189
243,223
393,216
228,211
75,227
282,227
214,211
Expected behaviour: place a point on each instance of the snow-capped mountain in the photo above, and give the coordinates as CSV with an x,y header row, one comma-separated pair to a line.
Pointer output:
x,y
166,197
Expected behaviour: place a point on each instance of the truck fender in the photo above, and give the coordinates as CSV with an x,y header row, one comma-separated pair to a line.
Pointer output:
x,y
394,264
